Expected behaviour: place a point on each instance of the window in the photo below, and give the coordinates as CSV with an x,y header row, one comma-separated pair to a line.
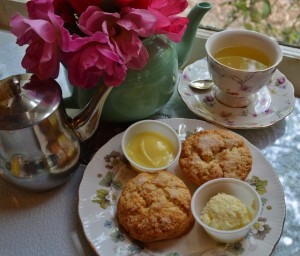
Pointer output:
x,y
215,18
277,18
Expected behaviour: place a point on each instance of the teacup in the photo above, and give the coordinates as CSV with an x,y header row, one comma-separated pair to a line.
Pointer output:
x,y
241,62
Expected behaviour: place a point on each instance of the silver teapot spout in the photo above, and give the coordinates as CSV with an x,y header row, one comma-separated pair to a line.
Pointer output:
x,y
39,142
86,122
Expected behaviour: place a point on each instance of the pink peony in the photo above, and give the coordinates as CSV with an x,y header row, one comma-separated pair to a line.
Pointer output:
x,y
81,5
123,30
103,45
44,33
140,4
167,22
64,9
165,11
90,59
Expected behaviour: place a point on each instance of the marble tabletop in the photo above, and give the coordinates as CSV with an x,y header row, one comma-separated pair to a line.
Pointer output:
x,y
47,223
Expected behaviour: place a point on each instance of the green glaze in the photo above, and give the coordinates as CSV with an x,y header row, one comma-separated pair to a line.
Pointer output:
x,y
145,91
184,48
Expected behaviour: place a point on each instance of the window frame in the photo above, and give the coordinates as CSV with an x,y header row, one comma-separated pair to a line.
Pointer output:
x,y
290,66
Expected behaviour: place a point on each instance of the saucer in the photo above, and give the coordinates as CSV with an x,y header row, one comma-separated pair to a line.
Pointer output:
x,y
269,105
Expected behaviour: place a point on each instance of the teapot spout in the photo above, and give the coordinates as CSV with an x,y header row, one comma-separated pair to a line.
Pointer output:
x,y
86,122
184,47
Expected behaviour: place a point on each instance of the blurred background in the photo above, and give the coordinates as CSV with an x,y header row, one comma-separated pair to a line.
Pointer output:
x,y
276,18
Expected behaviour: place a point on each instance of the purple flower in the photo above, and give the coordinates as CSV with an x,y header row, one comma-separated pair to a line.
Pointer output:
x,y
268,111
209,98
281,80
230,122
185,77
245,88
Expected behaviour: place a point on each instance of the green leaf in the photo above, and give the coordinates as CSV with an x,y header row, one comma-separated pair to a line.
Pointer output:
x,y
117,184
266,9
255,15
101,198
107,180
261,185
264,201
235,248
248,26
241,5
117,236
114,196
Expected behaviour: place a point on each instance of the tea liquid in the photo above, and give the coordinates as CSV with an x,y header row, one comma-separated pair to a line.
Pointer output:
x,y
243,58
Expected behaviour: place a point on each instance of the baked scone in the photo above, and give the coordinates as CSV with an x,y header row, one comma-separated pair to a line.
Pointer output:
x,y
155,207
211,154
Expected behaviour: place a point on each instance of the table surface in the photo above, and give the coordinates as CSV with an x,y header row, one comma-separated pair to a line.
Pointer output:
x,y
47,223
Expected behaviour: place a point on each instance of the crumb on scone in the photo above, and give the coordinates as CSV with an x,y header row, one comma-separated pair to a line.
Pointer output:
x,y
211,154
155,207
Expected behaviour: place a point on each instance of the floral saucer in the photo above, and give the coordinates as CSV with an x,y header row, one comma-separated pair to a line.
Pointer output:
x,y
269,105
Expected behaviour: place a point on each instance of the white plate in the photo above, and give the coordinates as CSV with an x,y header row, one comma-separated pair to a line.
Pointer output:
x,y
271,104
108,172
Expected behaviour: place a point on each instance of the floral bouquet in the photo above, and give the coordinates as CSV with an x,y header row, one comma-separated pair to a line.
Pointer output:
x,y
94,39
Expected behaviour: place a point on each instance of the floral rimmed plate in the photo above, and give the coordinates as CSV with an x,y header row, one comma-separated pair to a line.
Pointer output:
x,y
269,105
108,172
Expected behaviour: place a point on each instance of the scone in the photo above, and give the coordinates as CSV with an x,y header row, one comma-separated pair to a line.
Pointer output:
x,y
211,154
155,207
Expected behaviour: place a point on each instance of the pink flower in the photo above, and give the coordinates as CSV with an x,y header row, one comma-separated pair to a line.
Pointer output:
x,y
81,5
123,31
281,80
141,4
65,10
175,28
102,45
44,33
140,21
90,59
167,22
165,11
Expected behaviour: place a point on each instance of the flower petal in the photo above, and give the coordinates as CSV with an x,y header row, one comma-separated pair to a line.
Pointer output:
x,y
92,61
140,21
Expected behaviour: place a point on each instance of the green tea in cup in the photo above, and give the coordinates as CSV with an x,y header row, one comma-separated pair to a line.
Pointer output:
x,y
241,62
243,58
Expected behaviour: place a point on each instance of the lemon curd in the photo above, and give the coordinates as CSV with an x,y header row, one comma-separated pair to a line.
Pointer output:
x,y
243,58
150,149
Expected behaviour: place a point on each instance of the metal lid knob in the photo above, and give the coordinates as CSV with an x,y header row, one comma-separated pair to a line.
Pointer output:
x,y
25,100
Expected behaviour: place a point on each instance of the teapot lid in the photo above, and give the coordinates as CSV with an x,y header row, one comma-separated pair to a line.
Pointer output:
x,y
25,100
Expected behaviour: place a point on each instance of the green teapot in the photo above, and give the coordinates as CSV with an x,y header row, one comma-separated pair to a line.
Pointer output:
x,y
146,91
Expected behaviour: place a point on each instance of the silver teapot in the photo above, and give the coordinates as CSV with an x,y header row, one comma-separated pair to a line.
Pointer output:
x,y
40,145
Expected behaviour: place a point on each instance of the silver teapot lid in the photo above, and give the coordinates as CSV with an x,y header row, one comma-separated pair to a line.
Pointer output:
x,y
25,100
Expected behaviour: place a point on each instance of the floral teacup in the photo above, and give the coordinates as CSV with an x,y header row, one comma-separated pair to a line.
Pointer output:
x,y
237,87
